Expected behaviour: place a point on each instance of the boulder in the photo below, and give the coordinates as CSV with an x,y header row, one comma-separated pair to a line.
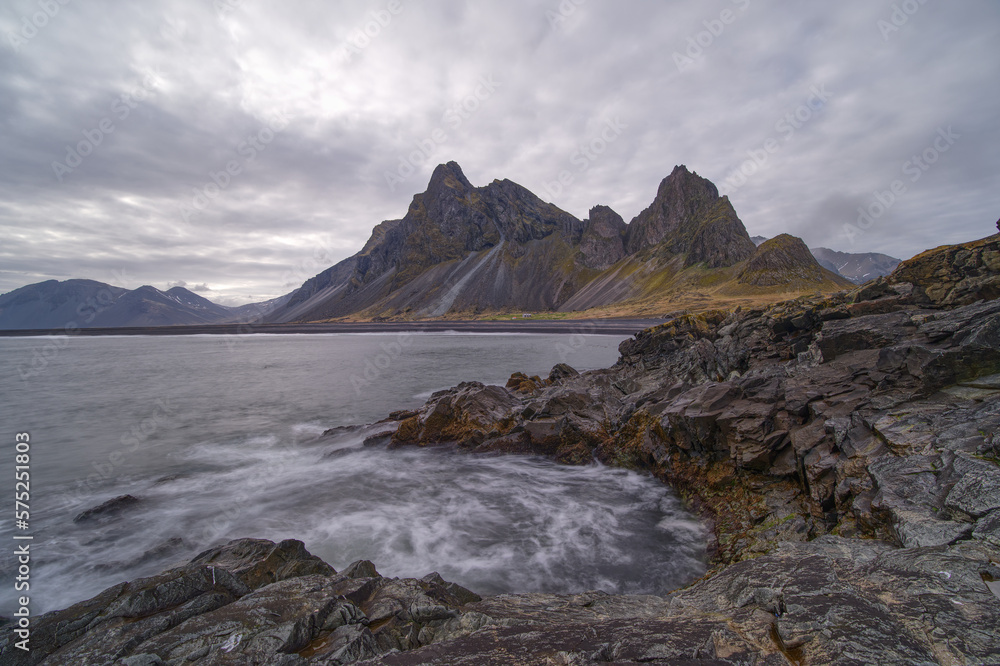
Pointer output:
x,y
561,371
108,509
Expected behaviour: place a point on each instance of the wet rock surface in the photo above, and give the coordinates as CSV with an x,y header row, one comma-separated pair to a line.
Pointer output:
x,y
251,602
112,507
843,449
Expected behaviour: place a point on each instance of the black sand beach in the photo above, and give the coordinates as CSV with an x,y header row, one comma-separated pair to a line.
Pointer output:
x,y
574,326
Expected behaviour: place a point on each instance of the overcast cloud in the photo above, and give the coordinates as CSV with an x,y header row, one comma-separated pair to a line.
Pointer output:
x,y
508,89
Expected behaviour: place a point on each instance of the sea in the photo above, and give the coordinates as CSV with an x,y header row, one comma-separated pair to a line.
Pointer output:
x,y
222,437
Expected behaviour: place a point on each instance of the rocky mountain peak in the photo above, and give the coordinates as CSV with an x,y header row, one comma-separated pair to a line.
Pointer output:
x,y
448,175
605,222
689,217
466,248
681,196
602,243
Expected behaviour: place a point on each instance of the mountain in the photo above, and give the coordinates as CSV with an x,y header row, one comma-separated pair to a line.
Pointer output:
x,y
53,304
784,259
689,218
458,247
193,301
148,306
857,268
463,250
252,312
90,304
840,451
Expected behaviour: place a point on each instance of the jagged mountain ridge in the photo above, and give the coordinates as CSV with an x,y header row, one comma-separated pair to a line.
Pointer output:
x,y
90,304
457,247
466,249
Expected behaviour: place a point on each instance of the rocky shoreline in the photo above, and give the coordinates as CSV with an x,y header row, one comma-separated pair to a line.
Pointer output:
x,y
843,448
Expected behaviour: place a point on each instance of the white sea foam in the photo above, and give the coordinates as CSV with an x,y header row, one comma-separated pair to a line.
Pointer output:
x,y
235,447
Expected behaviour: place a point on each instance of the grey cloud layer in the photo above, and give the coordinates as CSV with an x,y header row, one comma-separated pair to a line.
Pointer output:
x,y
310,195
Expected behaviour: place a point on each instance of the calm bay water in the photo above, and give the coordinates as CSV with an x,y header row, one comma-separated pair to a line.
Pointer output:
x,y
219,438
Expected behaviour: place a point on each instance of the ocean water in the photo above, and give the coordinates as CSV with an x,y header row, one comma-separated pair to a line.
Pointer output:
x,y
219,437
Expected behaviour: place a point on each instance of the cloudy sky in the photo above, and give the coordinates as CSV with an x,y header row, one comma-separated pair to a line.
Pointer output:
x,y
241,146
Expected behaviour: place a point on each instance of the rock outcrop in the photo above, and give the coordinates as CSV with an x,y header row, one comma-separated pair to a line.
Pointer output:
x,y
954,274
844,450
251,602
255,602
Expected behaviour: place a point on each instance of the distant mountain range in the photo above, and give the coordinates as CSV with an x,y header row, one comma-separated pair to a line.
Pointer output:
x,y
856,267
90,304
462,250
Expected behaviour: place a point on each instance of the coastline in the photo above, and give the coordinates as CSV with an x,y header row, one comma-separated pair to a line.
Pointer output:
x,y
545,327
846,447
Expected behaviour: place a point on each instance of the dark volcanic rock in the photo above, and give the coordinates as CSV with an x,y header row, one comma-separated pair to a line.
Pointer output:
x,y
844,451
954,274
870,414
112,507
251,602
830,601
561,371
